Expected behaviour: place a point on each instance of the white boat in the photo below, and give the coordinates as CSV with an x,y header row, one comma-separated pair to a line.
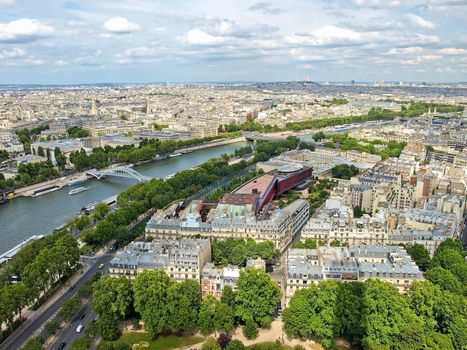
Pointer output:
x,y
173,155
77,190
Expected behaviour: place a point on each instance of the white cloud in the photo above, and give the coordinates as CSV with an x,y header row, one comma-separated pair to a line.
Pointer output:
x,y
60,63
419,22
430,57
13,53
24,29
120,25
452,51
445,70
197,36
405,50
326,35
377,3
6,2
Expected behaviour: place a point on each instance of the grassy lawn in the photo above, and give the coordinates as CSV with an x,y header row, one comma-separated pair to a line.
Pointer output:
x,y
161,343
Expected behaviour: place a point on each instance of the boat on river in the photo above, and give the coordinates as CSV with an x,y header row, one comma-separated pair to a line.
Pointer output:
x,y
77,190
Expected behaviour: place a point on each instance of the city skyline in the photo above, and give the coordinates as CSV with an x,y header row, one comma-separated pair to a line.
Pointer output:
x,y
148,41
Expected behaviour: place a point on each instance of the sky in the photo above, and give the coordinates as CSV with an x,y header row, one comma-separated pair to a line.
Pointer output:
x,y
96,41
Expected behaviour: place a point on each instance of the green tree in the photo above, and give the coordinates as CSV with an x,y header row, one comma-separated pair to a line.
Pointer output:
x,y
101,210
445,279
52,327
235,345
387,317
250,329
108,326
350,311
70,308
257,296
420,255
224,318
82,343
207,314
34,344
312,312
150,289
184,305
112,295
211,344
228,297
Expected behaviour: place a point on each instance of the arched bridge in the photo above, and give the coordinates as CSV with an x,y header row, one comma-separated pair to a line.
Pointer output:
x,y
121,171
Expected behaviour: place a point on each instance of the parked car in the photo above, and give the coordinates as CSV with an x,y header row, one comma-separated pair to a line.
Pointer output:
x,y
101,266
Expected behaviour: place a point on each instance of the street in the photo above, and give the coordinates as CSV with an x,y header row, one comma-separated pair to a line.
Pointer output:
x,y
68,334
34,325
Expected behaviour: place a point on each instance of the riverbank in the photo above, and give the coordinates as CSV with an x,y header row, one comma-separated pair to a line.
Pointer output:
x,y
26,216
58,183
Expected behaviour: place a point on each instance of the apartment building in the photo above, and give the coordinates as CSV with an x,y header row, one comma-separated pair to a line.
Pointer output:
x,y
181,259
305,267
340,224
238,220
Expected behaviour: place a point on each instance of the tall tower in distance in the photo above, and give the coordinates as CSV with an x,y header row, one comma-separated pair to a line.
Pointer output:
x,y
94,110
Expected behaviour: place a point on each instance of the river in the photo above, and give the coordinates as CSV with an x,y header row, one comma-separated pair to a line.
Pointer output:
x,y
23,217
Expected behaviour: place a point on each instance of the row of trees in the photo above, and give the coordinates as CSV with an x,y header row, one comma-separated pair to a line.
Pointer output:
x,y
168,306
237,251
375,315
29,174
147,150
38,271
346,143
447,268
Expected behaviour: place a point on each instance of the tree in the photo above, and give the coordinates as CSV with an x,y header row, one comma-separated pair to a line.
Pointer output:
x,y
211,344
34,344
228,297
184,305
52,327
350,311
150,289
223,339
107,324
312,312
250,329
70,308
445,279
387,317
207,313
82,343
101,210
420,255
235,345
112,295
257,296
224,317
344,171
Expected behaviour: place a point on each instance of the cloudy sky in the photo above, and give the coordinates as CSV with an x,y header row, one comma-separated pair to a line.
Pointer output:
x,y
53,41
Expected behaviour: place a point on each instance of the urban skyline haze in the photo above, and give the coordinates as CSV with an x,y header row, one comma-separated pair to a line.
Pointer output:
x,y
65,42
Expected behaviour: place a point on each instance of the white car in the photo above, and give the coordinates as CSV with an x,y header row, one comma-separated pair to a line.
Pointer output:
x,y
79,328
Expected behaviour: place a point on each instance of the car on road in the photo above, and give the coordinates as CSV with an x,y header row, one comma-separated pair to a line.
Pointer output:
x,y
101,265
61,346
81,316
79,328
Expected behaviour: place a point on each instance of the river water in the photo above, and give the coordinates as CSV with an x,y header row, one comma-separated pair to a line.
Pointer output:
x,y
23,217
